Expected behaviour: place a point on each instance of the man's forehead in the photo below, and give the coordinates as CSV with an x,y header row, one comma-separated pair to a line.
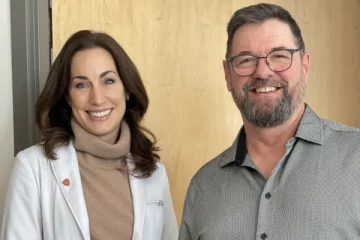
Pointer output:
x,y
269,34
271,25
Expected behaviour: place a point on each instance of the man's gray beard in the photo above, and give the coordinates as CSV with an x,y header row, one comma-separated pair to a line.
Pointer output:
x,y
268,115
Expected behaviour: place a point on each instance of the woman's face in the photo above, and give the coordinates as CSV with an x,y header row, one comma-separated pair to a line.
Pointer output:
x,y
96,93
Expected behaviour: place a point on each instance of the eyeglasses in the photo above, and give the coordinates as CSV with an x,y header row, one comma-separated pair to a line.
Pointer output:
x,y
277,61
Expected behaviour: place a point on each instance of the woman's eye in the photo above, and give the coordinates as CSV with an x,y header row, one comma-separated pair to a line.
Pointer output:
x,y
80,85
109,81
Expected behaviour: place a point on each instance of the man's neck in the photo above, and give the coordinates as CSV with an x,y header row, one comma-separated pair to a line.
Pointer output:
x,y
276,136
266,146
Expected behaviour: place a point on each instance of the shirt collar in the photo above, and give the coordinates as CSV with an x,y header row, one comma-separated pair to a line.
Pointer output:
x,y
237,152
310,129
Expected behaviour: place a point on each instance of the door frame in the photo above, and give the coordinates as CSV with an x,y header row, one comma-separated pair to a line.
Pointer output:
x,y
31,40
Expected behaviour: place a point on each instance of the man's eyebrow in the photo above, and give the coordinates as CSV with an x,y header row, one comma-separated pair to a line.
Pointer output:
x,y
252,53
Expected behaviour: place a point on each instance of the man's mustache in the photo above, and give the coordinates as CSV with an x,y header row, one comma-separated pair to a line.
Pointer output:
x,y
259,82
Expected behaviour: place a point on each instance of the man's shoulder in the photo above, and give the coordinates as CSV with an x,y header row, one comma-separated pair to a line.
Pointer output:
x,y
337,127
340,136
341,133
314,127
211,169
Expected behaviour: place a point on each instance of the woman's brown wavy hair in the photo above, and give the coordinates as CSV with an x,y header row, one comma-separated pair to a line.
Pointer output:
x,y
53,113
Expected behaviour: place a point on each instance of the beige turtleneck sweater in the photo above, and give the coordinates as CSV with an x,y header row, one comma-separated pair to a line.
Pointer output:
x,y
105,181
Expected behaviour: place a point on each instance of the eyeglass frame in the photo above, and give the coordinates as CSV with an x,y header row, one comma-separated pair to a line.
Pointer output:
x,y
292,51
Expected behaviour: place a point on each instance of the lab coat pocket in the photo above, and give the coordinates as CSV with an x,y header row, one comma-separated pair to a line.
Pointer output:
x,y
154,219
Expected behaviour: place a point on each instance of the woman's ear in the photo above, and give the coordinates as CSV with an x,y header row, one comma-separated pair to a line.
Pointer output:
x,y
130,102
67,99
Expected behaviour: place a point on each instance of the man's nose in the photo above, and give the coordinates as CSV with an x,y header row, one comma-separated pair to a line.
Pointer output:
x,y
262,71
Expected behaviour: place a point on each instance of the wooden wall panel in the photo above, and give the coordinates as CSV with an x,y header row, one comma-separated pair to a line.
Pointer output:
x,y
179,46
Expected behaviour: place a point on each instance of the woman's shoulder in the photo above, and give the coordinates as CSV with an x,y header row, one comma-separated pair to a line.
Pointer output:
x,y
28,163
159,174
160,167
33,160
36,153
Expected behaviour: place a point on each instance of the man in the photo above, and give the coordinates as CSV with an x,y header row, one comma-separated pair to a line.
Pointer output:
x,y
289,174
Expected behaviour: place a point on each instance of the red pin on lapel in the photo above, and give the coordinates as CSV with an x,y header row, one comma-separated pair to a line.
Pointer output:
x,y
66,182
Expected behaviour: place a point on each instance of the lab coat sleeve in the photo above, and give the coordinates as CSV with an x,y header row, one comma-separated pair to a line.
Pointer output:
x,y
22,215
170,229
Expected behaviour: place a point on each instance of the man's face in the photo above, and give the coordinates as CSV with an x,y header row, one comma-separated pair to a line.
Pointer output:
x,y
266,98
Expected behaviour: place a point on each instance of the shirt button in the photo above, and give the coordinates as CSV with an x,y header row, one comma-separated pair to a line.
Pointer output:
x,y
267,195
263,236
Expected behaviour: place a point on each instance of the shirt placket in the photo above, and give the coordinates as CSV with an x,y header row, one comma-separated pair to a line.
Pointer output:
x,y
266,206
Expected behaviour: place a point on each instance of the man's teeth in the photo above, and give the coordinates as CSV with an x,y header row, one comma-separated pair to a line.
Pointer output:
x,y
100,114
265,89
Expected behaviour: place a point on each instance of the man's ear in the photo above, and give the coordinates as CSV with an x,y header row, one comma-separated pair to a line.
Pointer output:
x,y
306,65
227,70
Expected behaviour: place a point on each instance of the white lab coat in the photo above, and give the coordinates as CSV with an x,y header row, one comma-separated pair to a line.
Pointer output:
x,y
40,206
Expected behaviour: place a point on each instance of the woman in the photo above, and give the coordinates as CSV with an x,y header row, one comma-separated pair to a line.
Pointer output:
x,y
95,175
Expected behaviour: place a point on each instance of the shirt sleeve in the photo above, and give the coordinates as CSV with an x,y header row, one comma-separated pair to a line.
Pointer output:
x,y
186,223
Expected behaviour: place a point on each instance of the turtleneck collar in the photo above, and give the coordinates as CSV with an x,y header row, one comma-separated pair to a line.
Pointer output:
x,y
113,145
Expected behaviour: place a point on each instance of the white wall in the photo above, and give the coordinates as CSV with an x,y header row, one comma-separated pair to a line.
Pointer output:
x,y
6,104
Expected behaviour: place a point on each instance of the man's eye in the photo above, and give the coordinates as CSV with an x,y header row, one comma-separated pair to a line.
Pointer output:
x,y
246,60
280,56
